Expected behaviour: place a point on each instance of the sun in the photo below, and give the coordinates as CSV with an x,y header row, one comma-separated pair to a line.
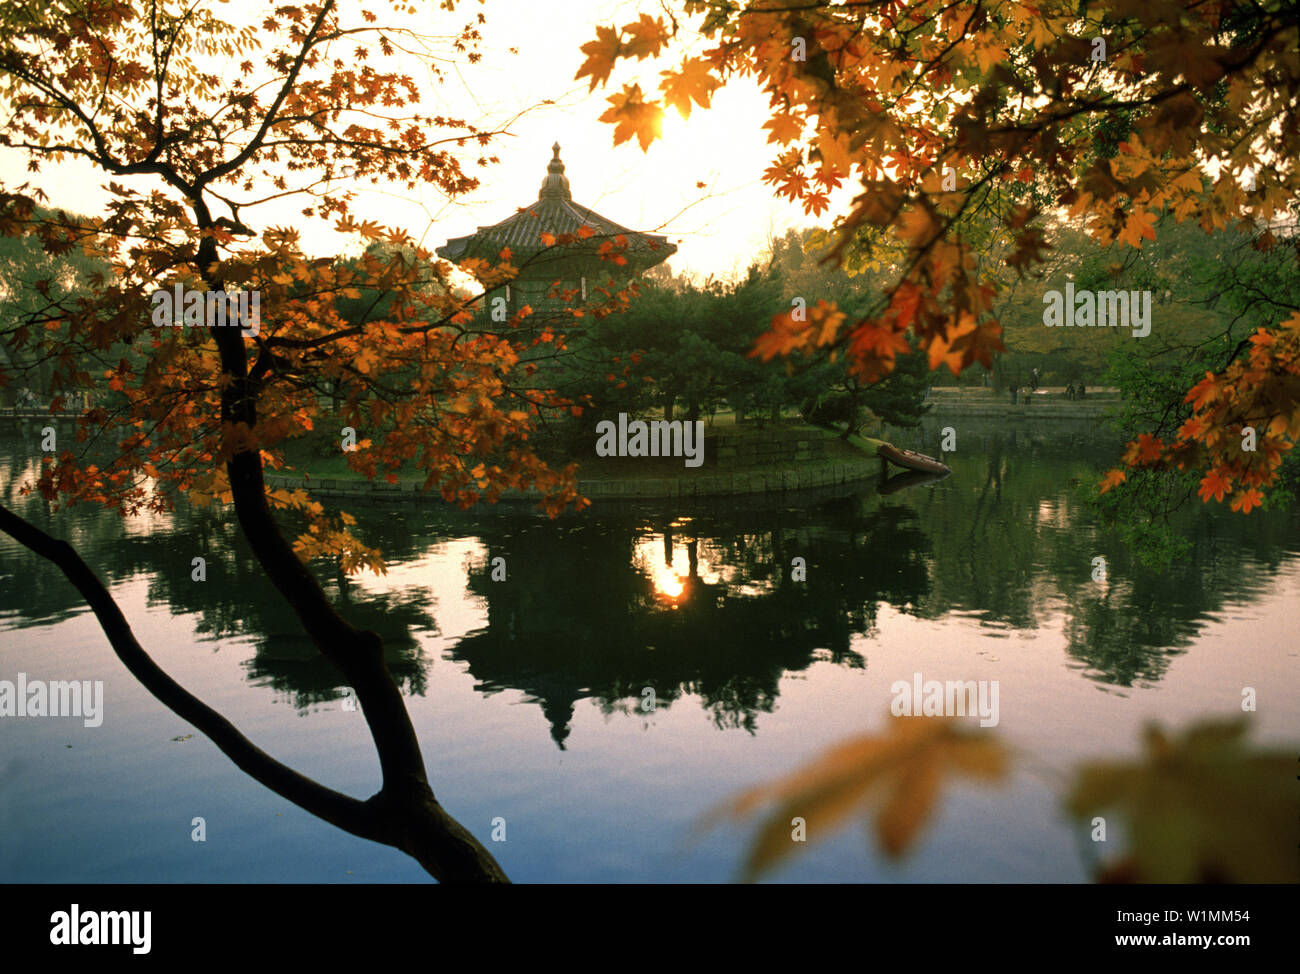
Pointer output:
x,y
668,583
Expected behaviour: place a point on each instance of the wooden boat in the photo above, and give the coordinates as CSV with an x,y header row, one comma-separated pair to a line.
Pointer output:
x,y
913,478
911,460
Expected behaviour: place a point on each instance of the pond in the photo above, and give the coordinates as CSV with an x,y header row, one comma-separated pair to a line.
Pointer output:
x,y
529,692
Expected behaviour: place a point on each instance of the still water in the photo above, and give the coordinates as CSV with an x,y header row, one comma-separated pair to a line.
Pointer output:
x,y
528,693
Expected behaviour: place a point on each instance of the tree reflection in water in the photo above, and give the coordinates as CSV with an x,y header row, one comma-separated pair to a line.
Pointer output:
x,y
701,603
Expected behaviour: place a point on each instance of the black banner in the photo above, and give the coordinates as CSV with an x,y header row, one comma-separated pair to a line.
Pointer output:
x,y
329,923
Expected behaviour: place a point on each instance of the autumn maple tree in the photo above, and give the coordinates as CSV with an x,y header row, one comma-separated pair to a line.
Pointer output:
x,y
941,116
194,123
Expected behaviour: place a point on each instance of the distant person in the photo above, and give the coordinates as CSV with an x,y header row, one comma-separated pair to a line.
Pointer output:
x,y
1033,380
1014,392
1069,390
1080,388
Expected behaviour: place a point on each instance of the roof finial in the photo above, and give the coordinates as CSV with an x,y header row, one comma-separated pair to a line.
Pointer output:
x,y
556,184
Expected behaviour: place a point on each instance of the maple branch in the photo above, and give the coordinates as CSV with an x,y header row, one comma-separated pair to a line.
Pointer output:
x,y
269,118
334,807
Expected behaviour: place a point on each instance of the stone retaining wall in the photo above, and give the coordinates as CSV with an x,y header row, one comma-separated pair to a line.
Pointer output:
x,y
1039,410
773,445
823,473
819,474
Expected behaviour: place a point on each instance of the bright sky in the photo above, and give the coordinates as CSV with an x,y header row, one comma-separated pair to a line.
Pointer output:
x,y
718,229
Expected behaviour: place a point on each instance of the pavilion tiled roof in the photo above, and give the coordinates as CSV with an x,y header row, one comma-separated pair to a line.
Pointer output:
x,y
556,213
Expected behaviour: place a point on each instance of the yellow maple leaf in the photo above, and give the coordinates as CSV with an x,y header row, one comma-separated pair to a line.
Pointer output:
x,y
365,360
1202,807
633,115
785,128
940,347
988,54
1129,165
834,151
1041,34
900,771
888,71
648,36
695,81
600,56
1140,223
830,318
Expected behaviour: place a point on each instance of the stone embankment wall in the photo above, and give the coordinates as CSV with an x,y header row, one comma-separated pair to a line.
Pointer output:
x,y
740,462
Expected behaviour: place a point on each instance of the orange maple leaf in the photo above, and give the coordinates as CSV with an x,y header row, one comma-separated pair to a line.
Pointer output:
x,y
904,303
785,128
1140,223
648,36
986,340
694,82
1194,428
917,227
784,337
1148,448
879,340
1203,393
1248,500
1112,479
815,203
633,115
1215,484
600,56
941,344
